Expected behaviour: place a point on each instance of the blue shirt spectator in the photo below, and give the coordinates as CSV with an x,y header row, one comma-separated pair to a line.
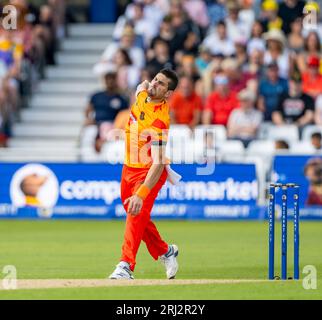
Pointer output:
x,y
104,106
270,90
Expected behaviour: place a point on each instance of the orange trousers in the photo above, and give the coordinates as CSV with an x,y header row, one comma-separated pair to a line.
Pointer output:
x,y
140,227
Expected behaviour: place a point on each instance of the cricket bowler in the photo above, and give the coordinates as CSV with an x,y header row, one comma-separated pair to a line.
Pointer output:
x,y
144,172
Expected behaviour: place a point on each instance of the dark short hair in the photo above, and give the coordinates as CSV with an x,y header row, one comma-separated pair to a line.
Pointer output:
x,y
170,74
317,135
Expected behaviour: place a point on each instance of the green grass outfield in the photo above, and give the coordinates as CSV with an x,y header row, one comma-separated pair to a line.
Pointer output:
x,y
208,250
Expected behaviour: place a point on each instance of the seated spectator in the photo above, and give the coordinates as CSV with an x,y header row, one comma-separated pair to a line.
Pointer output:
x,y
218,41
197,12
220,102
269,16
318,111
236,27
128,75
312,47
185,104
288,11
161,58
276,51
241,52
217,11
143,27
316,140
237,79
188,67
203,60
244,121
312,79
126,42
271,88
167,34
256,42
295,107
281,145
104,106
295,39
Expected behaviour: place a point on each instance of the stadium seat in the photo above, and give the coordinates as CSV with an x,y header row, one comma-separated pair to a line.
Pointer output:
x,y
302,147
231,147
181,152
218,131
288,132
308,130
261,147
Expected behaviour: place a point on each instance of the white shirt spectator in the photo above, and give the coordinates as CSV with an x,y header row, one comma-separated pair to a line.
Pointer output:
x,y
219,46
237,29
245,118
136,55
282,61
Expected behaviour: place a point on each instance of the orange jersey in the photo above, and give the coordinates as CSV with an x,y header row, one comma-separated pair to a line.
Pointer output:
x,y
148,124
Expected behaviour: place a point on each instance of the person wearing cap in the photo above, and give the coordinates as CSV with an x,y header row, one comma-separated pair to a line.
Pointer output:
x,y
220,102
243,122
271,88
295,107
276,51
288,11
105,105
269,17
312,79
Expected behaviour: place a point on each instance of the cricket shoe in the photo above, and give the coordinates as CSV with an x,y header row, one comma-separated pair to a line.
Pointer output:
x,y
170,261
122,271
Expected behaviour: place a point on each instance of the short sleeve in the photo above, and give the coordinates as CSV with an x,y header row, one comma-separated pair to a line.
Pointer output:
x,y
160,130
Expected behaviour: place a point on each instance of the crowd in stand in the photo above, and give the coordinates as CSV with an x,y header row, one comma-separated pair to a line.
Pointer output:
x,y
26,47
240,63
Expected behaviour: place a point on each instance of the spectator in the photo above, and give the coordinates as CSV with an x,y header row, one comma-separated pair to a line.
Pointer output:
x,y
316,140
295,107
312,79
237,79
166,34
318,111
288,11
127,43
312,8
217,12
269,16
188,67
241,53
276,51
143,27
218,42
271,88
185,104
281,145
104,106
220,103
127,73
312,47
313,172
197,12
236,28
256,42
244,121
203,60
295,38
161,57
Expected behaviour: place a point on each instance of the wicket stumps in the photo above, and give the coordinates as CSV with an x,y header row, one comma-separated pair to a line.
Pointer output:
x,y
271,229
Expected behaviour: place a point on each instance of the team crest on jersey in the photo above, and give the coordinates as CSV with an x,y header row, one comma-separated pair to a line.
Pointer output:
x,y
142,115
